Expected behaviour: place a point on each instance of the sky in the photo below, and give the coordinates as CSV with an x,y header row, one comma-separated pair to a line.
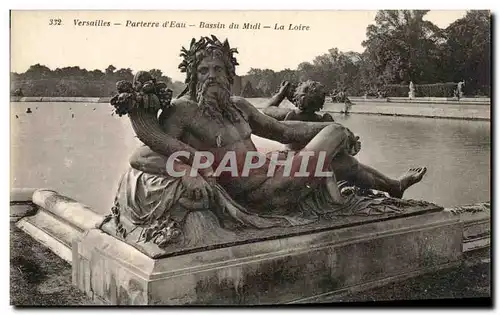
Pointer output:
x,y
34,40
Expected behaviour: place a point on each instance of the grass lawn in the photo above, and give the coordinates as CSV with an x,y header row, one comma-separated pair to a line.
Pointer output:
x,y
38,276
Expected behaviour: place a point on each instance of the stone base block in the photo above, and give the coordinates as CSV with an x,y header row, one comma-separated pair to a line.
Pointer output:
x,y
19,210
50,232
477,225
312,267
57,222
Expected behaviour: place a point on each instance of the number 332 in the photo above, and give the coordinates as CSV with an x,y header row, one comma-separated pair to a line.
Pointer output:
x,y
55,22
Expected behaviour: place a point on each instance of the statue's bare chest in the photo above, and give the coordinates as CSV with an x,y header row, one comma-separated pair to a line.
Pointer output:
x,y
209,132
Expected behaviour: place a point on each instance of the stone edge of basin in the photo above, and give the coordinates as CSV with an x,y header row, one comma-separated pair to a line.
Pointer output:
x,y
21,204
53,220
60,99
29,203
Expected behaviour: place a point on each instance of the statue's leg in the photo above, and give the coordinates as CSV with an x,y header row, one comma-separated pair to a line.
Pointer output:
x,y
347,168
284,189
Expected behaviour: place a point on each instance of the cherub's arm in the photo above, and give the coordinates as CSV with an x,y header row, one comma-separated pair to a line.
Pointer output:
x,y
277,112
276,100
272,108
290,116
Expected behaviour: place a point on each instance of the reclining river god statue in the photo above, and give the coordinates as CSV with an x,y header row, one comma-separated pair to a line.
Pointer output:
x,y
199,179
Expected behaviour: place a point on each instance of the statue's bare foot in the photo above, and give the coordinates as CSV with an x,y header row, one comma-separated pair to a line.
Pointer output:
x,y
411,177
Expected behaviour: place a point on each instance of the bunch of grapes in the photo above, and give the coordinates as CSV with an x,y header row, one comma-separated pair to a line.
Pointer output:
x,y
164,94
134,95
125,100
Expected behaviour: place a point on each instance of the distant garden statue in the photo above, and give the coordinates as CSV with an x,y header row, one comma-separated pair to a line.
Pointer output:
x,y
460,90
18,92
411,93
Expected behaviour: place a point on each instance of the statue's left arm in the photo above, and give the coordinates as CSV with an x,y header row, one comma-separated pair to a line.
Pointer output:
x,y
282,131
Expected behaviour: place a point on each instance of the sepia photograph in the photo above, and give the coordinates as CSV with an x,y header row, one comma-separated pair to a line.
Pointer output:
x,y
237,158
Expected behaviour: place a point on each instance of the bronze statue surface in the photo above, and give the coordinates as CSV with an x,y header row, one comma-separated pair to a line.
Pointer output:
x,y
158,212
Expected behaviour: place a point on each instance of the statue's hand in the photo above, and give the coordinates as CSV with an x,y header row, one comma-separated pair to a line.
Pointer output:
x,y
356,147
284,87
208,175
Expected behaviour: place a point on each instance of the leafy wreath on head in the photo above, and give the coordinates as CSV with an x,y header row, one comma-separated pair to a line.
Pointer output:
x,y
197,51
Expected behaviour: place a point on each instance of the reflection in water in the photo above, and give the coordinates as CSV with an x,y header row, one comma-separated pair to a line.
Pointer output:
x,y
83,157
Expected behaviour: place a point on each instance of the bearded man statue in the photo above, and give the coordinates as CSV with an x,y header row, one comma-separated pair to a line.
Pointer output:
x,y
181,191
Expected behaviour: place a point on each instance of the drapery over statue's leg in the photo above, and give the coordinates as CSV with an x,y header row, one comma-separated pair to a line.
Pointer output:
x,y
282,190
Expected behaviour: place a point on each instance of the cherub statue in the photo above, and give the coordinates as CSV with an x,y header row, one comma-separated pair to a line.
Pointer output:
x,y
308,97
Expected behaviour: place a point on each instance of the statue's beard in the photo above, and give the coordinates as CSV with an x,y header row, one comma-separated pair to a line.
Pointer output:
x,y
212,90
214,99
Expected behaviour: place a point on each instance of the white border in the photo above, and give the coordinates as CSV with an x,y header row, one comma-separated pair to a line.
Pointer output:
x,y
185,5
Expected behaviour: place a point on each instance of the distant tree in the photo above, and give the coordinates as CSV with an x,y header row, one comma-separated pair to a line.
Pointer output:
x,y
248,90
467,51
403,46
38,71
287,75
167,80
306,71
177,87
110,69
156,73
96,74
265,80
124,74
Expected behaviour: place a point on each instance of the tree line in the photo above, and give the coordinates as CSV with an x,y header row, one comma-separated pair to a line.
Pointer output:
x,y
39,80
401,46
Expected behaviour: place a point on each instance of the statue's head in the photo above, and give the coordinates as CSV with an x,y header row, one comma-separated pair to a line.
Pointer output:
x,y
309,96
210,70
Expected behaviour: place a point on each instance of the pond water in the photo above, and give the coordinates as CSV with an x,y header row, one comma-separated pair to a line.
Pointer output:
x,y
80,150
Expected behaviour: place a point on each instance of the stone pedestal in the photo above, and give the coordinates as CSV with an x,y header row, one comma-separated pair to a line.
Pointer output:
x,y
476,225
314,263
313,267
58,221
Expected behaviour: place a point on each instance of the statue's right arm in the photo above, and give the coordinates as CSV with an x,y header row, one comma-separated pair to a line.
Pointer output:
x,y
148,129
